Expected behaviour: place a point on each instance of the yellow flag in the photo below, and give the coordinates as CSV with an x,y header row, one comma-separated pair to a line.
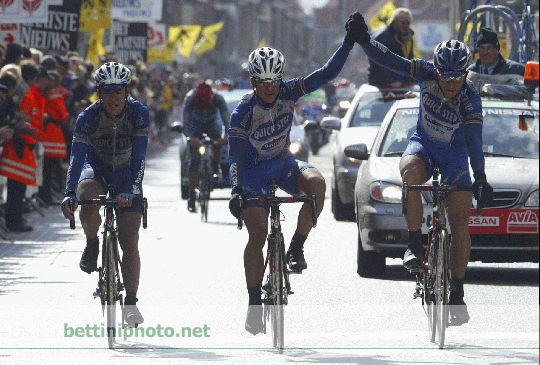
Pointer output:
x,y
209,38
383,17
95,46
95,14
184,36
262,43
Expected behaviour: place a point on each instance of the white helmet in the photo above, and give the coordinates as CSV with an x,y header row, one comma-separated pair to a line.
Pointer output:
x,y
111,76
266,64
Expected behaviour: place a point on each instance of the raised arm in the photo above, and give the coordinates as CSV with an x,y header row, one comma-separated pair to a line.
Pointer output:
x,y
330,70
380,54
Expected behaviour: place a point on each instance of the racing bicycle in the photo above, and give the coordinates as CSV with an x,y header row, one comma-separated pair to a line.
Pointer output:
x,y
433,278
277,287
110,286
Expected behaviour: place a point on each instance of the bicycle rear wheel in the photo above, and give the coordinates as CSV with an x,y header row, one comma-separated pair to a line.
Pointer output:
x,y
278,283
442,275
110,286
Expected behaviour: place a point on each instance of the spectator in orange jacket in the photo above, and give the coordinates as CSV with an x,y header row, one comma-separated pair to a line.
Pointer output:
x,y
18,161
53,139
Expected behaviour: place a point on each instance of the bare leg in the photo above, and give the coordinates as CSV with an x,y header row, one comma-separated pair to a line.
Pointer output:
x,y
256,220
128,236
310,181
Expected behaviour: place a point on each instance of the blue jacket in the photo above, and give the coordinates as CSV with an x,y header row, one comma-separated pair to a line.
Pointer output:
x,y
380,76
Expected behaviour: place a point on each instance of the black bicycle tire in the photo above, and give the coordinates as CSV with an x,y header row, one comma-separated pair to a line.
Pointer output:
x,y
279,304
204,191
443,278
110,276
430,288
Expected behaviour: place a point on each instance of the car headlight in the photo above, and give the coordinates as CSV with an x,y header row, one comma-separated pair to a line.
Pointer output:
x,y
295,147
202,149
385,192
532,200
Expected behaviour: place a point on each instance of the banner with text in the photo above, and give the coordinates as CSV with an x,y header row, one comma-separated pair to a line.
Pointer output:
x,y
59,34
137,11
23,11
130,41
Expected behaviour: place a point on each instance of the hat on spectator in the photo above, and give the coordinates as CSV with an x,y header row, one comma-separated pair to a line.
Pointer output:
x,y
49,62
63,60
488,36
13,52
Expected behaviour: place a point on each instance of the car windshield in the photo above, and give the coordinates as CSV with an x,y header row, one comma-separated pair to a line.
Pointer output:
x,y
371,110
503,134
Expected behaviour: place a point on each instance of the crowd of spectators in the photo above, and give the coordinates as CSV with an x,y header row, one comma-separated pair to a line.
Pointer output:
x,y
41,96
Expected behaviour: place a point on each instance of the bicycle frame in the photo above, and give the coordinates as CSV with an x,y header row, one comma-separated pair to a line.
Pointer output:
x,y
110,285
206,150
432,281
277,287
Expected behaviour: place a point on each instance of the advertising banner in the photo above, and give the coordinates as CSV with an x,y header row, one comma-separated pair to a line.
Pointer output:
x,y
58,34
130,41
137,11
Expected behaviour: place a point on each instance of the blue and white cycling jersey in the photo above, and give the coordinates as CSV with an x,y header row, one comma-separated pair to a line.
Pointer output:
x,y
261,133
113,148
446,128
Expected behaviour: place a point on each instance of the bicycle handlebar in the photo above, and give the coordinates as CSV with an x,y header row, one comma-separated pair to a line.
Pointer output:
x,y
111,202
445,188
278,200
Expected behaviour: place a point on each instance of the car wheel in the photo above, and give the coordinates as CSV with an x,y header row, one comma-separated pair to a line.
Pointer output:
x,y
370,264
341,211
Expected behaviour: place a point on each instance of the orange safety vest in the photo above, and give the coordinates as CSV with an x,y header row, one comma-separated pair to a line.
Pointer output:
x,y
23,169
53,137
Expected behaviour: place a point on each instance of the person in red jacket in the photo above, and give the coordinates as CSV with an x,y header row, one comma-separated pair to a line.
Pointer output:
x,y
53,139
18,161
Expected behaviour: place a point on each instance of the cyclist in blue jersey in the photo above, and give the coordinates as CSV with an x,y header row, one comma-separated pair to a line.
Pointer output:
x,y
259,152
201,106
109,148
448,133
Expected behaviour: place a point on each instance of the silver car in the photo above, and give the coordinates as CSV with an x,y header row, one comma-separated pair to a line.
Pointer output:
x,y
359,125
507,231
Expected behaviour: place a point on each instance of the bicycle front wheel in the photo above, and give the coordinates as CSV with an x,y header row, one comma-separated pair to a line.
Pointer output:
x,y
442,275
278,284
204,193
429,285
110,284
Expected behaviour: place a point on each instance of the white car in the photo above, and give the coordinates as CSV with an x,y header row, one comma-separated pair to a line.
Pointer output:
x,y
507,230
359,125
